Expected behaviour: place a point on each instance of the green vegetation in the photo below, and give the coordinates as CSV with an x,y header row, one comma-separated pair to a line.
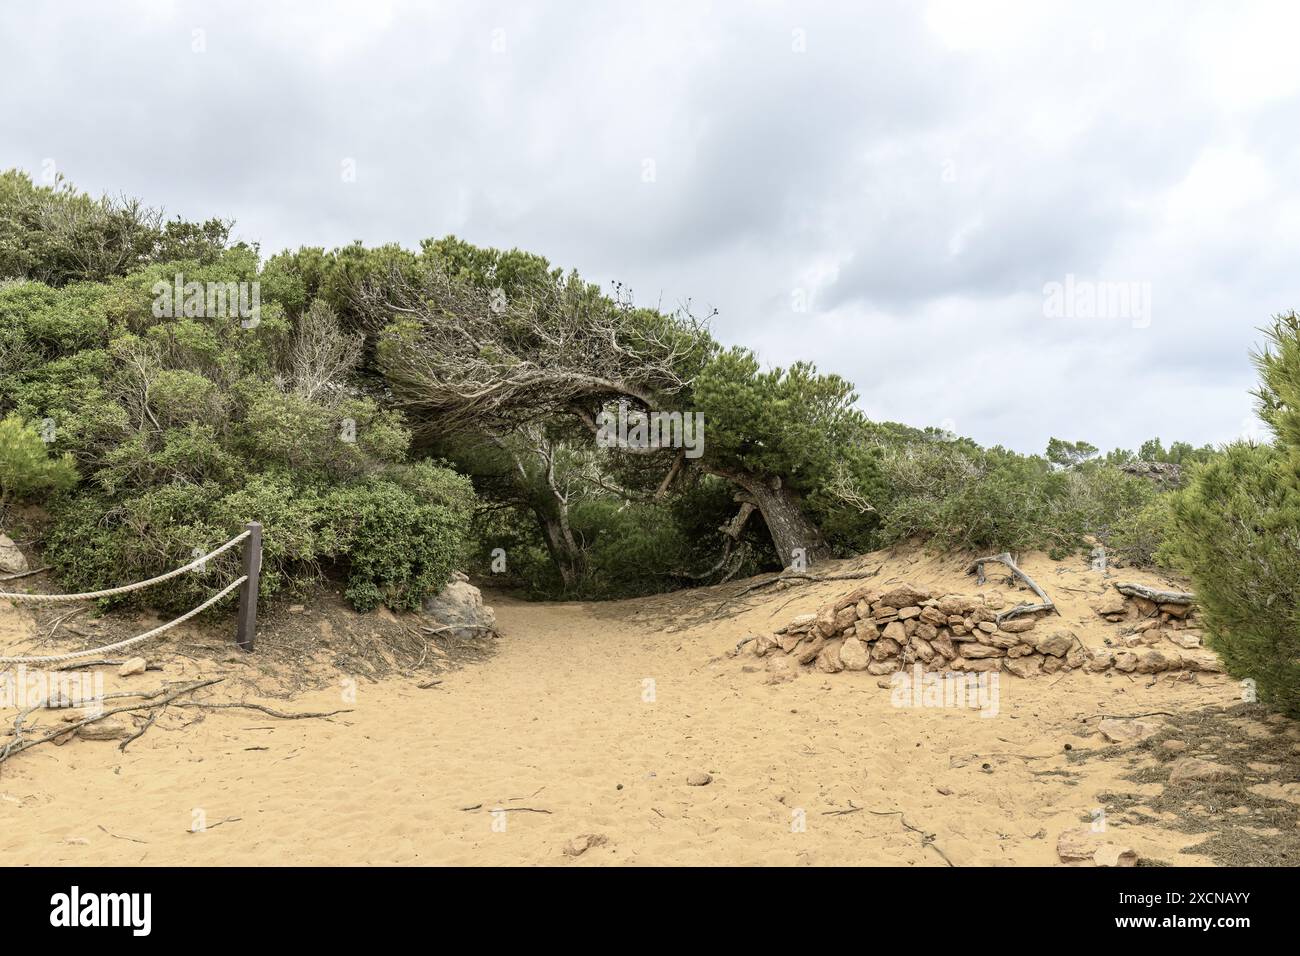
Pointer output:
x,y
389,414
1235,531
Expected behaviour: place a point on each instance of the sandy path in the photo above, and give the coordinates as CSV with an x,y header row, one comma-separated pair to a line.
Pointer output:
x,y
557,721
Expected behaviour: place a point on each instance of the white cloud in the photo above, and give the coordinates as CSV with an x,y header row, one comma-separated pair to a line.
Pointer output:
x,y
921,172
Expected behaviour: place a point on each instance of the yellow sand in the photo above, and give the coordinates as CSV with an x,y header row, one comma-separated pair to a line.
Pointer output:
x,y
560,720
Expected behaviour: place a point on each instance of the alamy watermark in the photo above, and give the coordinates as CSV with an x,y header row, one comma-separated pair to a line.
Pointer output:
x,y
208,300
1077,298
921,688
22,688
627,428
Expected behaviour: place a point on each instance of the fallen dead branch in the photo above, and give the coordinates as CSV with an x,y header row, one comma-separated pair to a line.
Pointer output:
x,y
977,567
22,574
270,712
1156,595
927,839
150,700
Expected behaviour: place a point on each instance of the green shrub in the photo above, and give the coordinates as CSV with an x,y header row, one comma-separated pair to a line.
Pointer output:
x,y
401,537
1236,532
26,466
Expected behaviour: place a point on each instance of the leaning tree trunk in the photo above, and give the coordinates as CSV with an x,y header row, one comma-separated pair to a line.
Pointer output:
x,y
793,534
563,548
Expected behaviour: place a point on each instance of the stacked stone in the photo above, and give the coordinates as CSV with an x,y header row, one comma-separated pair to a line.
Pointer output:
x,y
884,632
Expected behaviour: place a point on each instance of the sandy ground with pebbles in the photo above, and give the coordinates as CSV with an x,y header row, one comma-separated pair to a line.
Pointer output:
x,y
563,719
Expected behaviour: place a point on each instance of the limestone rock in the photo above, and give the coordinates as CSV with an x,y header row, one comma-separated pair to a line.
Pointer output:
x,y
460,604
12,561
1195,770
828,661
698,778
885,648
1030,666
854,655
135,665
1057,644
896,632
905,595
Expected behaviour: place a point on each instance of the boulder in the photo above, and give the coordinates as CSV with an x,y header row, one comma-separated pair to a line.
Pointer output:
x,y
933,616
807,652
1030,666
1112,604
896,632
854,655
885,648
956,604
845,617
1056,644
943,644
801,622
1196,770
1152,661
1126,662
12,561
905,595
828,660
1099,661
866,629
460,604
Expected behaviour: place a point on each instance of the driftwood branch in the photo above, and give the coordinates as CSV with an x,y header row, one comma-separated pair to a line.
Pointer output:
x,y
1046,603
150,700
1156,594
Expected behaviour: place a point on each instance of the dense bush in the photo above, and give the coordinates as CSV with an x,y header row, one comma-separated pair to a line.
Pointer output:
x,y
26,467
185,427
1235,531
957,495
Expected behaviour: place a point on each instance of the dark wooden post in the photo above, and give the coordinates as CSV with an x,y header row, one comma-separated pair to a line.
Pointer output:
x,y
248,592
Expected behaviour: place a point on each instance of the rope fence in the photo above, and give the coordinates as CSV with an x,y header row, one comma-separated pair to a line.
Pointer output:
x,y
247,583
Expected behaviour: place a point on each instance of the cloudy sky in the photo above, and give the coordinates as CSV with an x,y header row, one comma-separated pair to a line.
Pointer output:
x,y
1014,220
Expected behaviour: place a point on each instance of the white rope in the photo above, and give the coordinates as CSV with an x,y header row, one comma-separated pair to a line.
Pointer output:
x,y
126,588
53,658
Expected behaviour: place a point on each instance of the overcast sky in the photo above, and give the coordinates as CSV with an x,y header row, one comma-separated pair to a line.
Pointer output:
x,y
888,189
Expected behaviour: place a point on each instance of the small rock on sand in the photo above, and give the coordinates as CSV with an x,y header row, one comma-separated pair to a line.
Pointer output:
x,y
1194,769
699,778
581,844
135,665
110,728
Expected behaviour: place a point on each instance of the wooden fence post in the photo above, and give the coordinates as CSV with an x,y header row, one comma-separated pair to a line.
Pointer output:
x,y
248,591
